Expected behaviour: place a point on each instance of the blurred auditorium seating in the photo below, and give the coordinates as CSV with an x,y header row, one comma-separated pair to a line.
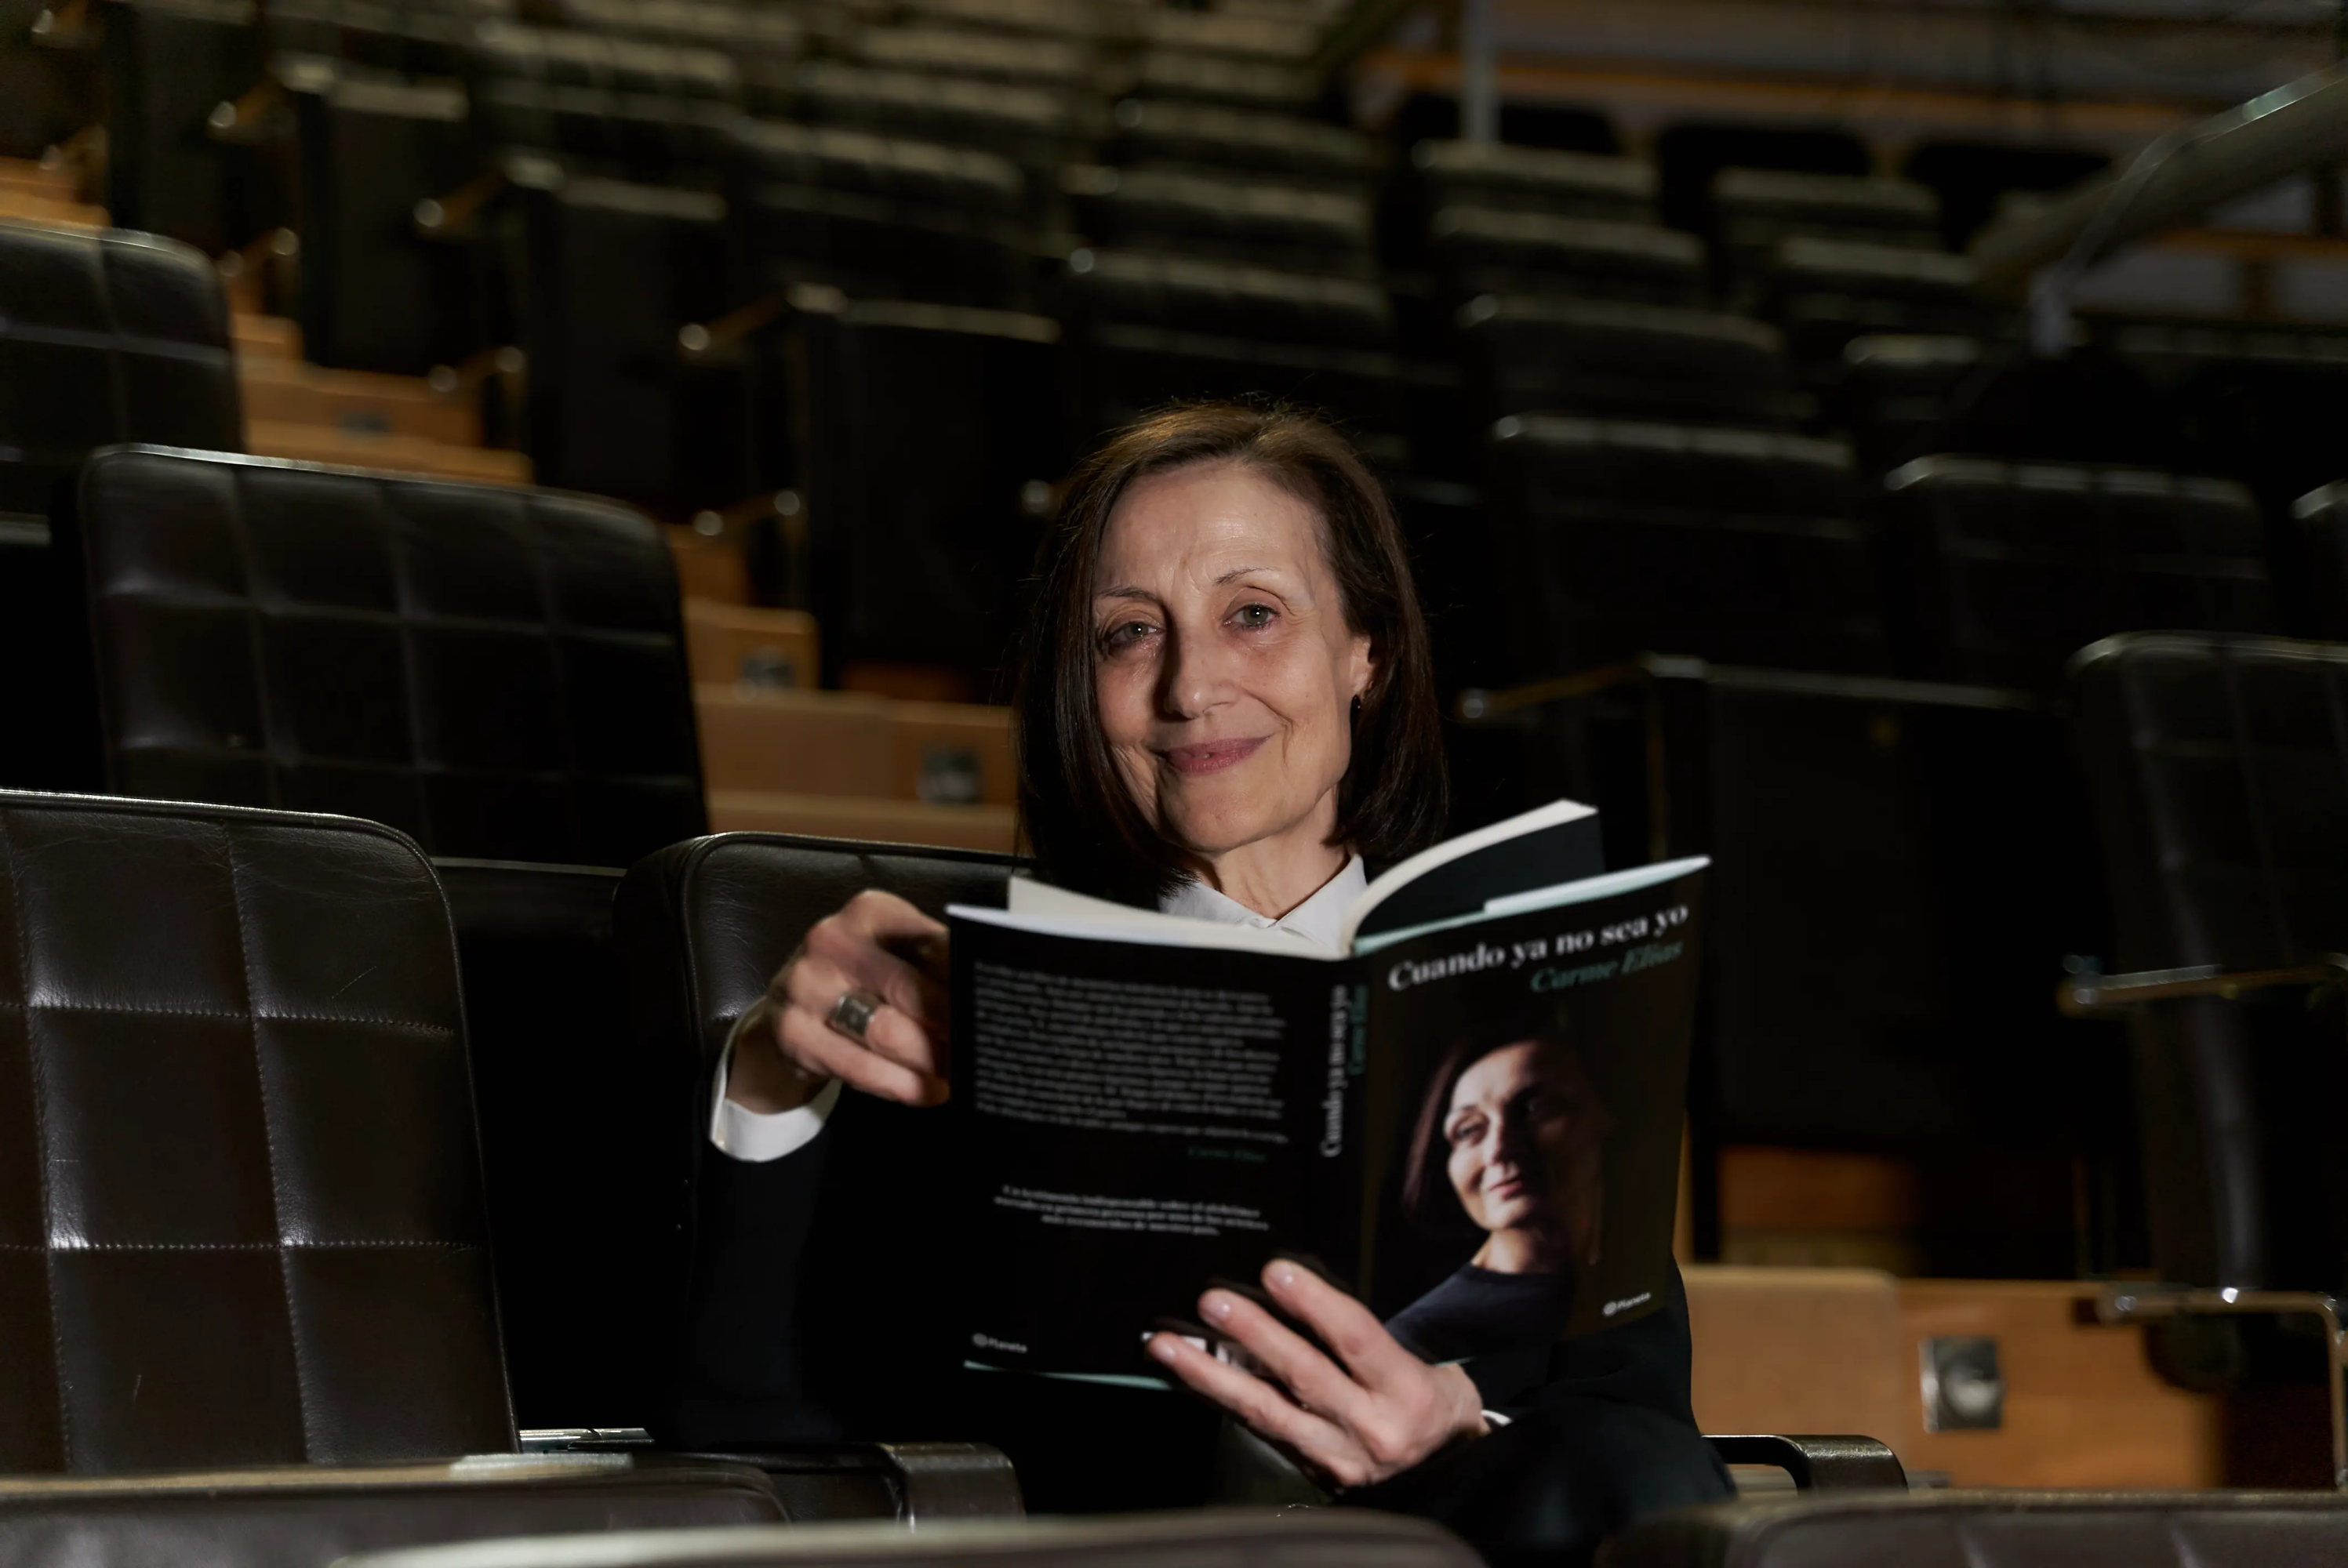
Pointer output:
x,y
927,441
1745,546
2014,566
1544,354
104,337
2214,766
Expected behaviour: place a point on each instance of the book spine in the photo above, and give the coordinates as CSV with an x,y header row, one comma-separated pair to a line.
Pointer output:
x,y
1333,1199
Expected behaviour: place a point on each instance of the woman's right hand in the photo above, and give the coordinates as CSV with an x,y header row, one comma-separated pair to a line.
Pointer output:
x,y
877,943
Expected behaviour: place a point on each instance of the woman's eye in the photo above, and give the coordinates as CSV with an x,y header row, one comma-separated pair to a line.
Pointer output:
x,y
1466,1133
1254,616
1127,635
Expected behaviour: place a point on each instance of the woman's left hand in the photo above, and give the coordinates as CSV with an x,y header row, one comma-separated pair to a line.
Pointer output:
x,y
1380,1412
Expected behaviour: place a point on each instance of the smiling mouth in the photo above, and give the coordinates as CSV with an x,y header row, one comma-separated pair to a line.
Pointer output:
x,y
1208,756
1509,1187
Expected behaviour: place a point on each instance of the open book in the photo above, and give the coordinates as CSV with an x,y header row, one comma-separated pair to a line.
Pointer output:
x,y
1470,1113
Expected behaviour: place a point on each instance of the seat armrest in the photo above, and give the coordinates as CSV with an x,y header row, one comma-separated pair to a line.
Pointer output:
x,y
915,1484
2111,996
1819,1463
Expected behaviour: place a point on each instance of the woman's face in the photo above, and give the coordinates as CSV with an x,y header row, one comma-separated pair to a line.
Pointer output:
x,y
1509,1130
1226,671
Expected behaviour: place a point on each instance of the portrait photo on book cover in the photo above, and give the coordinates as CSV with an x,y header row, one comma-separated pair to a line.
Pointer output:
x,y
1513,1213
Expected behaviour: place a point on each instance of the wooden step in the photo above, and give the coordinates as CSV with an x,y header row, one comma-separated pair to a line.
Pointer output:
x,y
286,392
1842,1350
23,206
734,644
913,822
713,570
395,454
264,337
950,754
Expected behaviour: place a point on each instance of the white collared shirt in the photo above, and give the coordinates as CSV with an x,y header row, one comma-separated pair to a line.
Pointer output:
x,y
757,1137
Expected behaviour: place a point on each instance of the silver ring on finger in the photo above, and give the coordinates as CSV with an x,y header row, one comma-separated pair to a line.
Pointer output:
x,y
851,1015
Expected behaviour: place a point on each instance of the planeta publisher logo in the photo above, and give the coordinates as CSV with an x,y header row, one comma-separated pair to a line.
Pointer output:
x,y
1628,1302
989,1342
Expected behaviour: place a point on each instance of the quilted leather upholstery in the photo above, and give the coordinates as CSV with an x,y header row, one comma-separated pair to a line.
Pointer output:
x,y
1745,546
2016,1529
1613,360
2016,565
2222,789
106,337
240,1194
703,926
496,671
2216,767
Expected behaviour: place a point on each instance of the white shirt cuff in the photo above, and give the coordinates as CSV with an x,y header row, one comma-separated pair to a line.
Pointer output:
x,y
760,1136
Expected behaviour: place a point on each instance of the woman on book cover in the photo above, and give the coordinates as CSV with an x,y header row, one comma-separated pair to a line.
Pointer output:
x,y
1225,708
1508,1142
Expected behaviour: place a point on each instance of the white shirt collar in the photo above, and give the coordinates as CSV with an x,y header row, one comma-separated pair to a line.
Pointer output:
x,y
1320,919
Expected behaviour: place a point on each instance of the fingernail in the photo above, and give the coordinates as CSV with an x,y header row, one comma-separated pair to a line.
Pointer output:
x,y
1216,1306
1162,1347
1282,1275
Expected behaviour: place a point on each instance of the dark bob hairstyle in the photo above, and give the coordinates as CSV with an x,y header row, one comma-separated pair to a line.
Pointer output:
x,y
1085,829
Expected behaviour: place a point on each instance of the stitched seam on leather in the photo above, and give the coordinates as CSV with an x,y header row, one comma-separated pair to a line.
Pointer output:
x,y
41,1137
396,542
246,1246
235,1017
559,668
268,1145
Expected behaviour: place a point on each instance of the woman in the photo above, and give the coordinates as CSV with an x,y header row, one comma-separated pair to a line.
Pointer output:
x,y
1515,1133
1225,708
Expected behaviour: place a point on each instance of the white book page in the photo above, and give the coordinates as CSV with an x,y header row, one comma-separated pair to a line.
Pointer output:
x,y
1396,877
1124,923
1604,886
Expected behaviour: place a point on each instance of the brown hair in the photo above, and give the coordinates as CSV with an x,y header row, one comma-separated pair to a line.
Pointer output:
x,y
1075,812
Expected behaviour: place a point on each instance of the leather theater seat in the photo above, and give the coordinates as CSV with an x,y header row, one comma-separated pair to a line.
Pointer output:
x,y
2014,566
860,1349
104,337
1250,1539
313,1516
703,926
2017,1529
2219,790
1745,546
497,671
1531,354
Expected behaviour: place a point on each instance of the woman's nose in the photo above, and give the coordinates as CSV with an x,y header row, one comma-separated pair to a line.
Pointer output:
x,y
1193,677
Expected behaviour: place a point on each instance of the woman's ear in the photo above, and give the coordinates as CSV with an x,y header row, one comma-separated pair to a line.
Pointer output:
x,y
1363,670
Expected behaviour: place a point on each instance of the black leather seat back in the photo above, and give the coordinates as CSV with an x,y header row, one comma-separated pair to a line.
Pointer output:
x,y
615,407
2014,567
704,926
2016,1529
929,430
2216,768
106,337
497,671
1745,546
2221,788
241,1216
